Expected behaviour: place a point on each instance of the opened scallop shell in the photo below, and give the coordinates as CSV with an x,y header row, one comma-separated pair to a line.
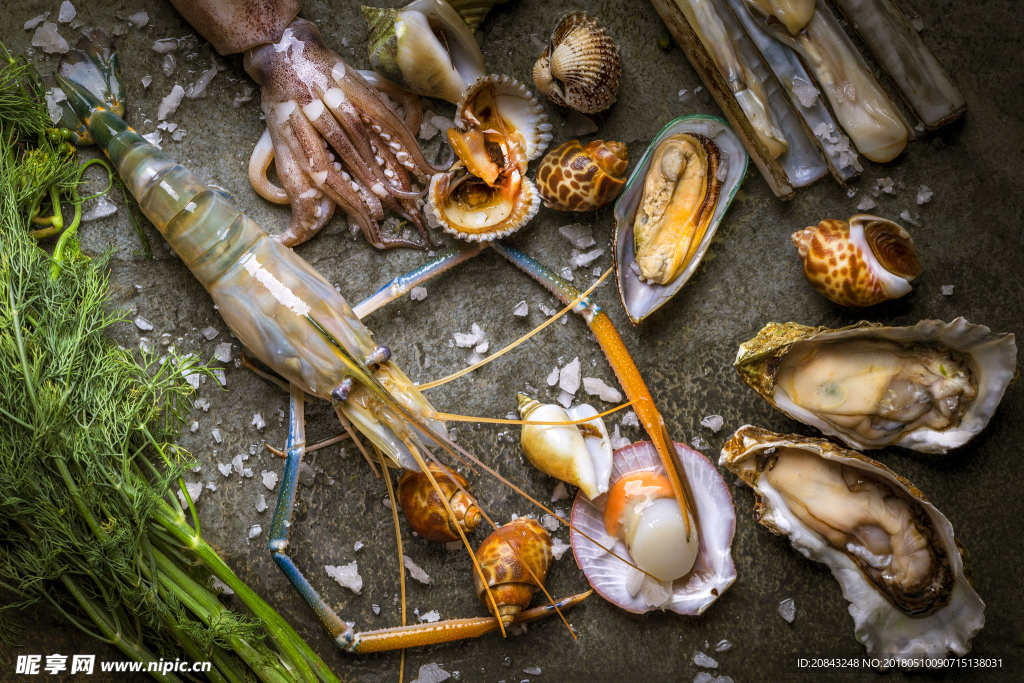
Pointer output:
x,y
935,622
640,298
580,68
714,570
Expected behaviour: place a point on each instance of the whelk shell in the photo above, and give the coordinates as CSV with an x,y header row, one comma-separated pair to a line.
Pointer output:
x,y
575,177
515,560
424,510
580,68
860,262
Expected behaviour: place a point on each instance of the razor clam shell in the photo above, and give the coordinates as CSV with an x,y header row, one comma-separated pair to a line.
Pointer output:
x,y
901,51
788,67
877,624
993,357
640,299
714,571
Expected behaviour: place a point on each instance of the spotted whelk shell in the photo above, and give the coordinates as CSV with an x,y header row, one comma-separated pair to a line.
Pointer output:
x,y
574,177
580,68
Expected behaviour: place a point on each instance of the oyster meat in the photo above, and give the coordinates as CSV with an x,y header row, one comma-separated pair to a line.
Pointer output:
x,y
930,387
681,191
892,552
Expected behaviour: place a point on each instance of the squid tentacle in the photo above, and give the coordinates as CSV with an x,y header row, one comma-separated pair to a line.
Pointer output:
x,y
259,163
311,209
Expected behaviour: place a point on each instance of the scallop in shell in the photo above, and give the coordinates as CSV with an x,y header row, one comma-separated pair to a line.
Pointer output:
x,y
575,177
930,387
640,295
892,552
711,573
580,68
860,262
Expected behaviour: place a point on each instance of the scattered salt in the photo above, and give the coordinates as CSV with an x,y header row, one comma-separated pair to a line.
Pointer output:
x,y
101,208
521,309
32,23
559,493
198,89
866,203
178,135
236,462
218,374
655,593
908,218
532,670
167,66
139,19
146,80
550,522
585,259
787,609
143,324
164,46
723,645
254,531
701,659
194,491
358,546
347,576
258,421
194,427
569,377
918,23
924,194
947,290
431,673
261,503
244,96
431,616
67,12
216,435
553,377
225,468
414,570
630,419
805,92
418,293
48,39
578,235
703,677
558,548
223,352
617,440
169,104
203,403
713,422
565,398
699,443
269,479
596,387
886,185
223,587
427,127
566,273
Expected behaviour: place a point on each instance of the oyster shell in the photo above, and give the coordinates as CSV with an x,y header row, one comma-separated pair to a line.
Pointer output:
x,y
575,177
641,297
892,552
860,262
580,68
930,387
425,47
712,573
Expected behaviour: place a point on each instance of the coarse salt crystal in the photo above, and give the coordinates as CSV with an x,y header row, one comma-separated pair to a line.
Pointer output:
x,y
655,593
418,293
170,103
630,419
223,352
713,422
139,19
924,194
261,503
67,12
905,215
431,673
154,138
553,377
358,546
805,92
596,387
532,670
558,548
617,440
569,377
143,324
559,493
194,427
866,203
225,468
347,576
258,422
723,645
701,659
431,616
223,587
579,236
565,398
947,290
203,403
254,531
550,522
216,435
699,443
269,479
521,309
787,609
414,570
194,491
35,21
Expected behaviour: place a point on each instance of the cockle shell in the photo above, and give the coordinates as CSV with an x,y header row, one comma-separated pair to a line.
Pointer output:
x,y
468,208
426,513
515,560
915,601
425,47
574,177
507,106
580,68
712,573
860,262
580,455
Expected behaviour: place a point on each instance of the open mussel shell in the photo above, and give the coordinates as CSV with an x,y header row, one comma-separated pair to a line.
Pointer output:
x,y
914,601
713,571
987,361
641,298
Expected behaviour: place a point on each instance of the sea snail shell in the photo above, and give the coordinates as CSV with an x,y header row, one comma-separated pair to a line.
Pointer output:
x,y
862,262
580,68
426,513
504,557
576,177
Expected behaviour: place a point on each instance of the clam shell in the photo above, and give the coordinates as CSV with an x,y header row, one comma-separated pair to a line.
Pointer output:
x,y
714,570
527,204
580,68
993,356
517,106
639,298
882,628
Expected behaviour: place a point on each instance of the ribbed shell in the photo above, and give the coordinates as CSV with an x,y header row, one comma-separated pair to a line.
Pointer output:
x,y
527,204
576,177
518,108
580,69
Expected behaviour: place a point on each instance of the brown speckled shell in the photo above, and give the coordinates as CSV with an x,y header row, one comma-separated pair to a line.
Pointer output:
x,y
424,510
504,557
838,269
576,177
580,68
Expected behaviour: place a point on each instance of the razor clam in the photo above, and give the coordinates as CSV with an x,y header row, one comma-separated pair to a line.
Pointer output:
x,y
930,387
424,47
641,298
839,154
900,50
893,554
867,115
745,88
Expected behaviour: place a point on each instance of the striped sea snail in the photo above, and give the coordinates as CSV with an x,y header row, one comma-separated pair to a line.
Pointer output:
x,y
860,262
515,560
422,506
575,177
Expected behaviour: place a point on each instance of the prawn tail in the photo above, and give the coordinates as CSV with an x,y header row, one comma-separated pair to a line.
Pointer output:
x,y
90,78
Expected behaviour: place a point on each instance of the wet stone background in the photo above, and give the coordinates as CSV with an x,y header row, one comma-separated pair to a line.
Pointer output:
x,y
970,236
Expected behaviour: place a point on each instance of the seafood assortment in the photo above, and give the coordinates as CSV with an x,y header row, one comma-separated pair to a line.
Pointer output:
x,y
578,454
671,207
515,560
892,552
860,262
575,177
580,67
929,387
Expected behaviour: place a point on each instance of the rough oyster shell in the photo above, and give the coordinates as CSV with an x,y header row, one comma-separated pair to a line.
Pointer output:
x,y
714,570
992,359
882,625
580,68
641,298
574,177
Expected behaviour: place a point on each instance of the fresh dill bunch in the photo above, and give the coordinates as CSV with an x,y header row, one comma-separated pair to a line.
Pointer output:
x,y
22,97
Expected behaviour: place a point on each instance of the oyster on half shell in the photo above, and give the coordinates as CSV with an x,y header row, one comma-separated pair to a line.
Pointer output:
x,y
892,552
930,387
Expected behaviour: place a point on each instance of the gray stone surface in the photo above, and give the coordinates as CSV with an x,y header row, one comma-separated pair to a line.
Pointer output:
x,y
971,236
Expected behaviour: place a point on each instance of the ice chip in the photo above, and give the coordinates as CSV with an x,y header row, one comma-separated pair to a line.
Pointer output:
x,y
713,422
597,387
414,570
569,377
269,479
67,12
347,576
169,104
787,609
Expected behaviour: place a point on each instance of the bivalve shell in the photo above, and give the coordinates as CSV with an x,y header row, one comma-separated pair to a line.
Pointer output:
x,y
580,68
